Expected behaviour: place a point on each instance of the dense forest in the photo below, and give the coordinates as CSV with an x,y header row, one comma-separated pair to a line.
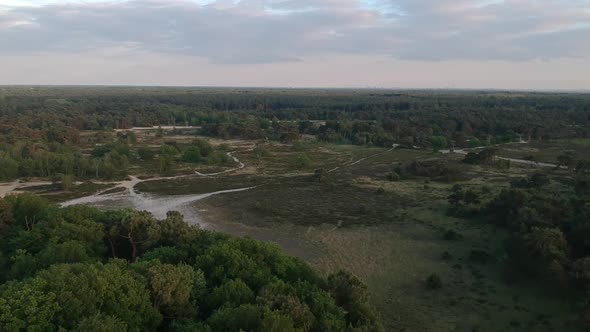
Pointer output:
x,y
85,270
40,128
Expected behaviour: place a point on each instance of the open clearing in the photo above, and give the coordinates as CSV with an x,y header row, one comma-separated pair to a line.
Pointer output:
x,y
390,234
392,238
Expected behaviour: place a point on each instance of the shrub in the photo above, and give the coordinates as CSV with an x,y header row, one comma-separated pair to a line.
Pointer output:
x,y
434,282
451,235
302,161
393,176
479,256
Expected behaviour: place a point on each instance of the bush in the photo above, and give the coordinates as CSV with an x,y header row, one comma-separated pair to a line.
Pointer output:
x,y
581,271
451,235
192,155
479,256
302,161
393,176
434,169
260,151
434,282
145,153
536,180
483,157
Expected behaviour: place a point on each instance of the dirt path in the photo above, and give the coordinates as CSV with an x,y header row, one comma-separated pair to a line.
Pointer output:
x,y
156,128
352,163
230,154
514,160
16,186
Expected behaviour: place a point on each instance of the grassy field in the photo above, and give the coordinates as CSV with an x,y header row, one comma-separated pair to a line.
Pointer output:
x,y
390,234
55,193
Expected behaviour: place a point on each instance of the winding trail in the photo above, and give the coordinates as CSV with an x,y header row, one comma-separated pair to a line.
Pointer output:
x,y
352,163
156,204
514,160
156,128
230,154
129,197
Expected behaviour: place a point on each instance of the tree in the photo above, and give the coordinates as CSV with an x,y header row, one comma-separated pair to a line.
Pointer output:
x,y
174,230
171,287
159,132
168,150
27,305
83,290
274,321
351,294
204,147
483,157
246,317
28,210
260,151
6,215
67,182
114,164
583,167
438,143
301,161
581,271
139,229
434,282
505,207
281,297
145,153
166,164
393,175
101,323
8,167
471,197
71,251
192,155
231,293
457,196
547,244
186,325
567,160
319,175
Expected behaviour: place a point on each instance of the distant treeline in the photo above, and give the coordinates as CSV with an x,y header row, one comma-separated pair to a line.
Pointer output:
x,y
51,119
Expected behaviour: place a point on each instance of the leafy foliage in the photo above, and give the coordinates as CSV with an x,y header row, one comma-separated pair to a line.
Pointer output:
x,y
81,269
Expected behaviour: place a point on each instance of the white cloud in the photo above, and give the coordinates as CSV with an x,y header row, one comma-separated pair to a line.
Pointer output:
x,y
287,30
290,32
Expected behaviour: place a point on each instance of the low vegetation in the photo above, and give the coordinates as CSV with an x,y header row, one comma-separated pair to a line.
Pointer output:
x,y
415,210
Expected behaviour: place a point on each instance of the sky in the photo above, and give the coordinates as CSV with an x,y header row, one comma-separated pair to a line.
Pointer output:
x,y
477,44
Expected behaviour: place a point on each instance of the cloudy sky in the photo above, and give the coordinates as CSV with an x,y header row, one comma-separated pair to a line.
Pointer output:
x,y
512,44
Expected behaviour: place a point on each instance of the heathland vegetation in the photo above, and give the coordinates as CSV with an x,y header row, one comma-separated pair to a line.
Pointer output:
x,y
407,210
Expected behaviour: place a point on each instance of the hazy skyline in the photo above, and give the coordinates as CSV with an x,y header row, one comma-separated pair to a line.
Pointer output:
x,y
511,44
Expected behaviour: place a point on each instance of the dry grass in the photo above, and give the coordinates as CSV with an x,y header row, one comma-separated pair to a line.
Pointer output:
x,y
392,240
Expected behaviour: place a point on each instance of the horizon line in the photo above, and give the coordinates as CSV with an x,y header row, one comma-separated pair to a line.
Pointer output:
x,y
367,88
